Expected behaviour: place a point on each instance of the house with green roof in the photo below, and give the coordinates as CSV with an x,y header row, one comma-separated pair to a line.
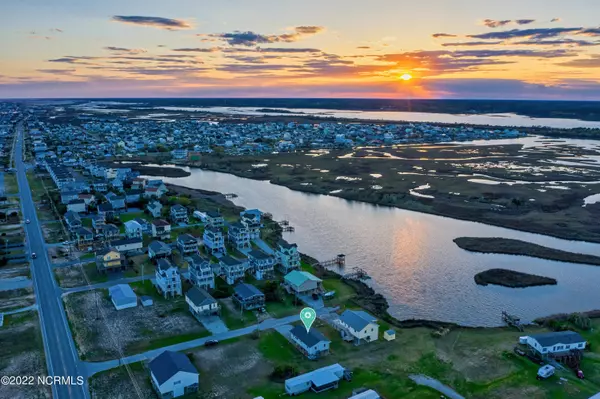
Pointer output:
x,y
302,283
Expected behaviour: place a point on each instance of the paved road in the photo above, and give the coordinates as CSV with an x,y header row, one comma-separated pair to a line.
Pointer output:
x,y
21,310
61,354
435,384
96,367
107,284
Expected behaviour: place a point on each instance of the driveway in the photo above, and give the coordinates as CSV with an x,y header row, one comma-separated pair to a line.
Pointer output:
x,y
435,384
13,283
312,303
214,324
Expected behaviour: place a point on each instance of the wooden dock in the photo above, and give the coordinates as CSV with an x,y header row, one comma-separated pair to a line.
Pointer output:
x,y
339,261
512,321
356,274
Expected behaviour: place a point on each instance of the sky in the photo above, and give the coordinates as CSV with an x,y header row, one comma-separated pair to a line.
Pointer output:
x,y
476,49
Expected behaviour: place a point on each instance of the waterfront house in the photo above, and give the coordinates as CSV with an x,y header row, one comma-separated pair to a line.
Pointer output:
x,y
73,220
252,221
302,283
128,245
77,206
261,264
248,297
155,191
201,303
201,273
288,257
159,249
214,219
214,240
311,343
319,380
168,279
358,326
161,229
85,237
556,342
133,229
109,260
238,235
179,214
187,244
155,208
139,183
232,269
122,296
173,375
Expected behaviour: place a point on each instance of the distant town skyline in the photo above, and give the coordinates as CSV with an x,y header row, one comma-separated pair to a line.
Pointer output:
x,y
528,49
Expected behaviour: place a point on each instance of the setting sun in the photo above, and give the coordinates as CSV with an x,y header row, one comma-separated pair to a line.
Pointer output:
x,y
406,76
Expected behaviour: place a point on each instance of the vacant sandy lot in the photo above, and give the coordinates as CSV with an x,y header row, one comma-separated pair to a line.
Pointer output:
x,y
22,353
100,331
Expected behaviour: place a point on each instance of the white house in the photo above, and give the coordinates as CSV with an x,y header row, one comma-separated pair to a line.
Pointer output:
x,y
173,375
358,326
201,302
555,342
317,380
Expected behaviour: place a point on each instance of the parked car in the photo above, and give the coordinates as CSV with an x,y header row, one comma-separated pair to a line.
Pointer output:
x,y
315,296
211,342
545,372
519,352
262,310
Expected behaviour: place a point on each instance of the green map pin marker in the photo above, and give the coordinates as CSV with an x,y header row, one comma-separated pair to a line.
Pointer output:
x,y
308,316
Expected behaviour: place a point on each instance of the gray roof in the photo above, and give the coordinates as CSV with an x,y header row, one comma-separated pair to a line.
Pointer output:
x,y
168,363
285,244
561,337
84,231
178,207
213,214
229,261
122,294
310,338
159,246
164,264
105,207
357,319
126,241
245,291
197,259
199,297
187,238
257,254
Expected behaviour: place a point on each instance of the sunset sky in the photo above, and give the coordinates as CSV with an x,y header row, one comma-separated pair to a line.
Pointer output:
x,y
525,49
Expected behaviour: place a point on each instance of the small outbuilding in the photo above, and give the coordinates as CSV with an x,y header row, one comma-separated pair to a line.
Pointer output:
x,y
122,296
389,335
147,301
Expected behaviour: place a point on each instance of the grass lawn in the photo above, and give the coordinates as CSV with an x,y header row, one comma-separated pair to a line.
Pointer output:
x,y
235,320
126,217
343,292
86,222
285,308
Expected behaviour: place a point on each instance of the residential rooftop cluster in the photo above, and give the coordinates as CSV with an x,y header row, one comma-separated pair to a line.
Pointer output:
x,y
188,138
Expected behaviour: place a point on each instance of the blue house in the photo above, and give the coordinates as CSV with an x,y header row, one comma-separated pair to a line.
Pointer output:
x,y
311,343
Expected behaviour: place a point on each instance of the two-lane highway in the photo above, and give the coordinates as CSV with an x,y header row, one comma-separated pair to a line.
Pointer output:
x,y
61,354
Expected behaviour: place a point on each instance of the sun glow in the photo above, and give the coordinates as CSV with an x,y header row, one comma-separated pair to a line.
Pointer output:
x,y
406,76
